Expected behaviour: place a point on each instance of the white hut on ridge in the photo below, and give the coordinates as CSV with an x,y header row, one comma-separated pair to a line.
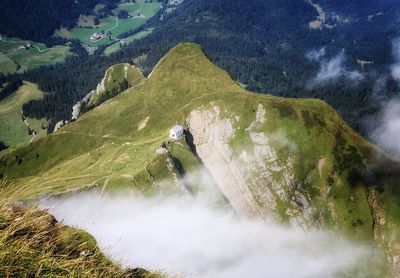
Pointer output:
x,y
176,132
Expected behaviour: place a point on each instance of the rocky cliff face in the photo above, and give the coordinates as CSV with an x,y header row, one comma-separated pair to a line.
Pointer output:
x,y
117,79
253,179
257,182
211,136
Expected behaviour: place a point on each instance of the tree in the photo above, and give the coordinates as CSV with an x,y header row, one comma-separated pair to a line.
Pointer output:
x,y
3,146
123,14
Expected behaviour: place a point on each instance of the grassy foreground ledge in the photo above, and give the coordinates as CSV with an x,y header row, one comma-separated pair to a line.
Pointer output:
x,y
34,244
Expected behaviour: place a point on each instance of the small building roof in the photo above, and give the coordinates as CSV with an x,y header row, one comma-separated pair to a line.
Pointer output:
x,y
177,128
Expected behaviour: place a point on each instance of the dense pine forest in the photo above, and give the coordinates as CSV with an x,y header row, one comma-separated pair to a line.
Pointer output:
x,y
358,7
10,87
37,20
262,44
2,147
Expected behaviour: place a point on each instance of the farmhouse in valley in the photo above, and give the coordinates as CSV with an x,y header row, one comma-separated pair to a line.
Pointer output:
x,y
176,132
96,36
176,2
26,45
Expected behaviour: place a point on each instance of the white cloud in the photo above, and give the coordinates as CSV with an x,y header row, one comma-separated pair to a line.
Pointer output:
x,y
316,55
333,69
282,141
186,236
395,68
380,88
387,133
395,71
385,128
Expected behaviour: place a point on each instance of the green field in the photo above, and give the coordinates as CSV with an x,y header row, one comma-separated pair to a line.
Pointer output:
x,y
13,131
117,46
115,26
12,58
6,64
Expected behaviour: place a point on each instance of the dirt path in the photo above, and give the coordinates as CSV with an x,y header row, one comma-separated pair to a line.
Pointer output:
x,y
21,42
116,25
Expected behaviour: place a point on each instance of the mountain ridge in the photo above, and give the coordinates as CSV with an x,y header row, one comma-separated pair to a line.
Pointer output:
x,y
295,158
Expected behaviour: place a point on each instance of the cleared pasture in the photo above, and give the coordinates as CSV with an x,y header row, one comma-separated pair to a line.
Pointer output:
x,y
13,131
13,58
140,13
117,46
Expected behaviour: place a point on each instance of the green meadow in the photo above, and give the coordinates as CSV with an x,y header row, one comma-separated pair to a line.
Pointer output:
x,y
13,131
115,26
117,46
13,59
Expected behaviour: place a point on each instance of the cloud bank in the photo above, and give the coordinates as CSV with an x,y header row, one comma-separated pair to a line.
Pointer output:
x,y
387,133
186,236
395,68
331,69
316,55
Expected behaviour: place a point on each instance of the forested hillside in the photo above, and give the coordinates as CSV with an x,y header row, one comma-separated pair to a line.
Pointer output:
x,y
263,44
38,19
358,7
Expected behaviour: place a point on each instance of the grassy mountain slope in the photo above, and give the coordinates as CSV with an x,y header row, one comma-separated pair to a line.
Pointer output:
x,y
13,130
296,158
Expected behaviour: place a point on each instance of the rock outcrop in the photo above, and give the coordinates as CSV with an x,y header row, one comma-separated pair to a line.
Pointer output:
x,y
117,79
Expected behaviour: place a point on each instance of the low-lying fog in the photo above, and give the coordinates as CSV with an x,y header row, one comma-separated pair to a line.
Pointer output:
x,y
189,237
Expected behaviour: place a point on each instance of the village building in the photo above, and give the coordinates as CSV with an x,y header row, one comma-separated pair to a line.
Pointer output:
x,y
176,2
96,36
176,132
135,14
26,45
